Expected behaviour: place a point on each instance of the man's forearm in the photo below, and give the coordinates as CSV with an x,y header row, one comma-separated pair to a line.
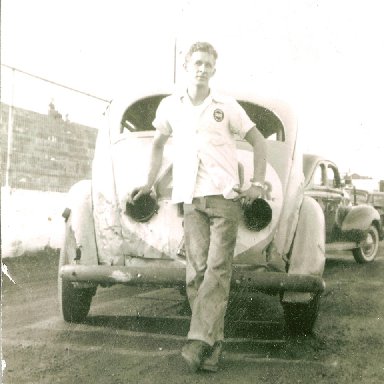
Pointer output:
x,y
155,165
259,165
257,141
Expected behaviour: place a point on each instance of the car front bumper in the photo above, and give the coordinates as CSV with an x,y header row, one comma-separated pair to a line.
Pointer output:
x,y
251,278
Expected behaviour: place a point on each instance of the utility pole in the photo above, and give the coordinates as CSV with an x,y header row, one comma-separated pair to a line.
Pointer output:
x,y
10,133
174,61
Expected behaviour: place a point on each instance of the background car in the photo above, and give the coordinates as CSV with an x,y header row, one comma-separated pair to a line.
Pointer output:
x,y
373,198
280,245
348,227
376,199
358,196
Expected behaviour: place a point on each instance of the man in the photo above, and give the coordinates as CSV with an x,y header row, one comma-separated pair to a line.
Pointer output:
x,y
206,180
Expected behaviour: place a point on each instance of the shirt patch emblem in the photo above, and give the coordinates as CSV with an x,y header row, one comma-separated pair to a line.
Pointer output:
x,y
218,115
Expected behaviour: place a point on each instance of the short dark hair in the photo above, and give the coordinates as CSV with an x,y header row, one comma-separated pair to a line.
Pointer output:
x,y
202,47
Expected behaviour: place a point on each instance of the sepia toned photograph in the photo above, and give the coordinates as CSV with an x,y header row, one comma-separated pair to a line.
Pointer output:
x,y
192,191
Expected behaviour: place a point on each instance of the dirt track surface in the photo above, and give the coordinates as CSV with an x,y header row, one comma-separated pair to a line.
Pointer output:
x,y
134,335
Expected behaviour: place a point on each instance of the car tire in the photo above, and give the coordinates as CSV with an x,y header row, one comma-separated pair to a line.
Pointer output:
x,y
74,302
368,248
300,318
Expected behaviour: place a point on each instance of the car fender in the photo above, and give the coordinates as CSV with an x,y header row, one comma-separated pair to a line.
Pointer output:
x,y
79,218
359,217
308,248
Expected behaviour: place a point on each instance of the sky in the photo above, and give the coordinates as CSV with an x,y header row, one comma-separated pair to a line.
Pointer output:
x,y
324,57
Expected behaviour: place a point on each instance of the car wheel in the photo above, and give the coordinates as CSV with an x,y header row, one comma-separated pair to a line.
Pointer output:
x,y
299,317
368,248
74,302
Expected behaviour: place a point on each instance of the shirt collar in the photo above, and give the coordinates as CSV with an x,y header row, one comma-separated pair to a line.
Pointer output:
x,y
212,97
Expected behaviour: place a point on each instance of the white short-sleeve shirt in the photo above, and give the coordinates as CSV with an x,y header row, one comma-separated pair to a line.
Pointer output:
x,y
204,144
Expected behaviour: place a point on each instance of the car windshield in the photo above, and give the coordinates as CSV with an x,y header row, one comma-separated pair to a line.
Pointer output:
x,y
378,200
360,196
138,117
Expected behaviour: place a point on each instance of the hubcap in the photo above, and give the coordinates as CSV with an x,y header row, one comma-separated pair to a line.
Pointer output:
x,y
369,244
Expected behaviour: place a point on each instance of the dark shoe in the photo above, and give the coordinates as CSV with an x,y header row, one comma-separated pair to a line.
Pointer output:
x,y
193,353
211,362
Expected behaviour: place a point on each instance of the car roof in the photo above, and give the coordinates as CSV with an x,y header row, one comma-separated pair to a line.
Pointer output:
x,y
266,112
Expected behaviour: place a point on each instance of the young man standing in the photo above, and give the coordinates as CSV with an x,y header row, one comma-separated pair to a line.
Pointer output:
x,y
203,125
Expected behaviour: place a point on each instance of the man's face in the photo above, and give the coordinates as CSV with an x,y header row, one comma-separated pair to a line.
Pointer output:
x,y
200,68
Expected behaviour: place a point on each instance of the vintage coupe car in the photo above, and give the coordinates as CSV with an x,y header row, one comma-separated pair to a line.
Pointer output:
x,y
350,224
106,244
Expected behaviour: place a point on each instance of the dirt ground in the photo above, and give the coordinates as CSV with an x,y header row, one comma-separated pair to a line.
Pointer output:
x,y
134,335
